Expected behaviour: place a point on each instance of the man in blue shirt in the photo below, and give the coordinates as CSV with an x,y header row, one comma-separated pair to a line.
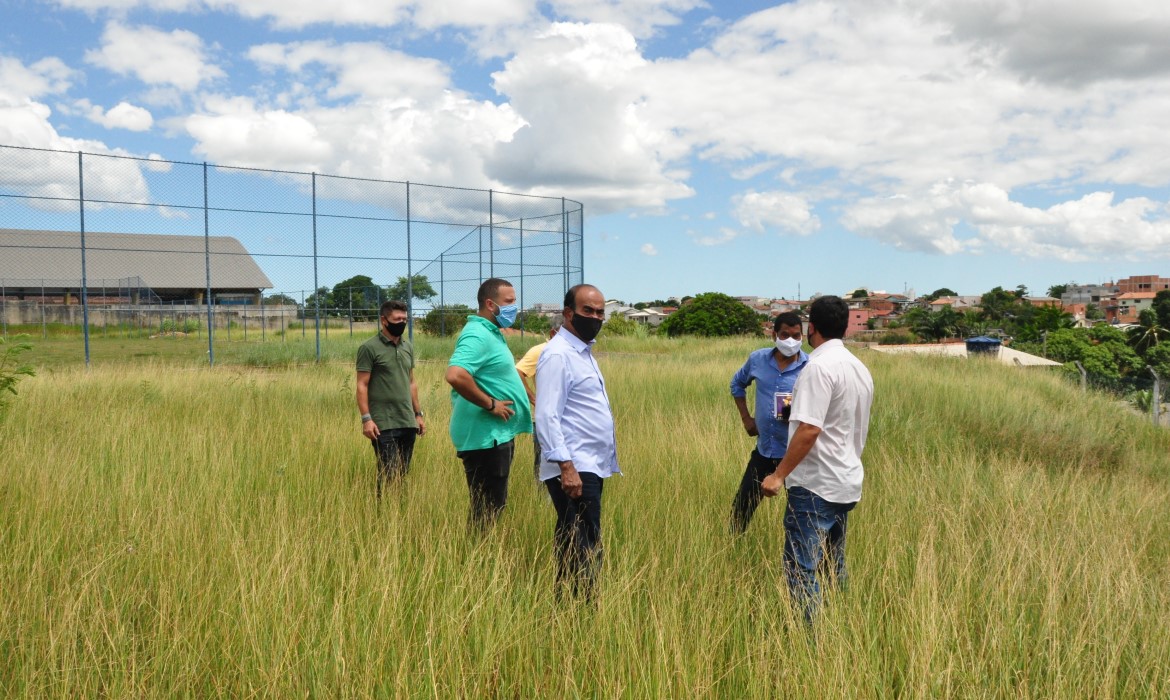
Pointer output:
x,y
574,424
774,370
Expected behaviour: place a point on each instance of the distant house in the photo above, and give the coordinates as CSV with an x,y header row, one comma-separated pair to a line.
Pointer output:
x,y
1141,284
1042,301
1090,293
959,303
858,321
1129,307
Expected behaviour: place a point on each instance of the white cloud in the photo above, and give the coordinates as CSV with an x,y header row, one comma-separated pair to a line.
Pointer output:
x,y
725,235
1090,228
577,88
649,249
154,56
235,131
358,69
121,116
784,212
640,17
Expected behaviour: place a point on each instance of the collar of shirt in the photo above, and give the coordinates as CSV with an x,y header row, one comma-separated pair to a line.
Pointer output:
x,y
575,342
387,341
476,318
801,358
826,346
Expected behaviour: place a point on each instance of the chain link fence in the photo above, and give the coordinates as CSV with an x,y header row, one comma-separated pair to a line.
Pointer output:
x,y
114,244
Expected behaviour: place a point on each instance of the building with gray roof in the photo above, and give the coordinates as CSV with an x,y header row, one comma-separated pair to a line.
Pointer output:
x,y
143,267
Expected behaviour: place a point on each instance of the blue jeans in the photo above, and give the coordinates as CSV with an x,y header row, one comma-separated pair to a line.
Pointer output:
x,y
814,546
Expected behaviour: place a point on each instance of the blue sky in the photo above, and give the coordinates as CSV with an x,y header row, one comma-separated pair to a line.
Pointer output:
x,y
745,147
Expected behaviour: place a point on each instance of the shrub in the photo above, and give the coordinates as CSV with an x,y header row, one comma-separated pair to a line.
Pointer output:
x,y
11,368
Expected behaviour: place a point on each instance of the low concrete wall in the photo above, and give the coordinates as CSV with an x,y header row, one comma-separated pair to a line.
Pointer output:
x,y
36,313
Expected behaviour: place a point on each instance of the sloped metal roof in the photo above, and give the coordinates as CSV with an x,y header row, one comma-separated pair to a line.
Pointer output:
x,y
161,261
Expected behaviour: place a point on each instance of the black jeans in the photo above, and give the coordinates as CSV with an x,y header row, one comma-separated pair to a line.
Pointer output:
x,y
487,473
577,535
750,494
393,448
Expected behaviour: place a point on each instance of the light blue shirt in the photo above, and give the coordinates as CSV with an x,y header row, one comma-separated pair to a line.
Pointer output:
x,y
761,368
573,417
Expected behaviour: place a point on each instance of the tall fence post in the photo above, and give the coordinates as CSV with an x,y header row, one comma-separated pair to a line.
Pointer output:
x,y
491,237
442,298
316,284
84,290
564,246
207,271
409,274
581,242
1084,375
524,320
1156,397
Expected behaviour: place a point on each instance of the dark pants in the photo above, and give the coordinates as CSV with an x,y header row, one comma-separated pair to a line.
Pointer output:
x,y
577,536
487,473
536,457
749,495
394,448
814,547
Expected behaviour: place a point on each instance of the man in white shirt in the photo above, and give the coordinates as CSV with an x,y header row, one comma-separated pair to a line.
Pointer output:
x,y
822,469
574,424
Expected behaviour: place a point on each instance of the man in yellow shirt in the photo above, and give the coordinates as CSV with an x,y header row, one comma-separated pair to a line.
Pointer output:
x,y
526,367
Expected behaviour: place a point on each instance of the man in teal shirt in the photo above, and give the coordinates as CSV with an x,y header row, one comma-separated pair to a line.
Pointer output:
x,y
489,406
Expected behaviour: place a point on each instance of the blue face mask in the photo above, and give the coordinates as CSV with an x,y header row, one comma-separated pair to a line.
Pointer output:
x,y
506,315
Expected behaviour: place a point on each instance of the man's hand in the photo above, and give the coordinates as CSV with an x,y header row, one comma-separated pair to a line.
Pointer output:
x,y
502,410
422,425
772,485
570,480
370,430
749,424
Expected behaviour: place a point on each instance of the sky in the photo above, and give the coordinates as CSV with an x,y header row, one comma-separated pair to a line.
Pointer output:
x,y
746,147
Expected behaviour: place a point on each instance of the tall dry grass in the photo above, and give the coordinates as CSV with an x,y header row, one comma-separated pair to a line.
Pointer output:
x,y
171,530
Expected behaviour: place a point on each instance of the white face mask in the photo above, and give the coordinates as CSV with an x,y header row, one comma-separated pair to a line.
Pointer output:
x,y
788,346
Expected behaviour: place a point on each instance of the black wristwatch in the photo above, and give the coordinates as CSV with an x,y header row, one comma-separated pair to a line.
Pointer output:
x,y
419,414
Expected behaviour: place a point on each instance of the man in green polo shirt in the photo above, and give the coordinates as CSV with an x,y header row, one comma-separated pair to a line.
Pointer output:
x,y
489,406
387,395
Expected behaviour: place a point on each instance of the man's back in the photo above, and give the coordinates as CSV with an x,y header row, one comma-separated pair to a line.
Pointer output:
x,y
834,393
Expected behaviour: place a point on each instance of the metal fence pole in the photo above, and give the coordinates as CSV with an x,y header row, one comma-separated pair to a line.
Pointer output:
x,y
44,324
207,271
84,292
316,288
581,243
479,240
564,246
409,274
1084,375
525,319
491,237
4,305
1155,397
442,298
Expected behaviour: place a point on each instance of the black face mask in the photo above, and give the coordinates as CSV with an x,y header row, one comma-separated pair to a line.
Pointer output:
x,y
395,330
587,328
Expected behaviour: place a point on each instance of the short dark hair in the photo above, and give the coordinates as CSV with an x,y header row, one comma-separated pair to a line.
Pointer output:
x,y
830,316
392,305
571,295
788,318
489,289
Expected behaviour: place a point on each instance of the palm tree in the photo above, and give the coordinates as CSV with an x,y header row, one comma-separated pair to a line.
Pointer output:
x,y
1147,333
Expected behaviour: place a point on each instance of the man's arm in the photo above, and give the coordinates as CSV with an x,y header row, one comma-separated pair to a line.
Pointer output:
x,y
464,385
552,375
798,448
422,424
369,427
527,387
739,384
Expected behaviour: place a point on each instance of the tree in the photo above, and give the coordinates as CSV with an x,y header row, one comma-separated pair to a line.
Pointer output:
x,y
1147,333
970,323
534,322
1056,291
321,298
941,292
859,294
618,324
280,300
1068,344
937,325
420,288
1093,312
359,295
1021,291
445,320
713,314
1161,307
1051,318
1158,357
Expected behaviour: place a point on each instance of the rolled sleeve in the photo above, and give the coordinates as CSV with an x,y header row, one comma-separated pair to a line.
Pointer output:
x,y
552,375
741,379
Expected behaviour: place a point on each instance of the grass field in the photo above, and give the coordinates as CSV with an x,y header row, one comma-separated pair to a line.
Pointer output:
x,y
174,530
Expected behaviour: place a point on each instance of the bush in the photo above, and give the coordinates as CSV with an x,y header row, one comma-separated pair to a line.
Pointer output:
x,y
445,320
896,339
713,314
11,368
620,325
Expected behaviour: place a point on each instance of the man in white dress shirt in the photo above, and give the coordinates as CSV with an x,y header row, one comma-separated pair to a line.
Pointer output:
x,y
574,424
822,469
